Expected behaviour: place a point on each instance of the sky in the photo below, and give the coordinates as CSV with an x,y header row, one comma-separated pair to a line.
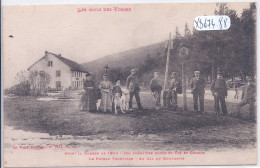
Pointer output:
x,y
87,36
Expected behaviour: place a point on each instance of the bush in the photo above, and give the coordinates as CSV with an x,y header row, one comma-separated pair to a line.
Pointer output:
x,y
30,83
21,89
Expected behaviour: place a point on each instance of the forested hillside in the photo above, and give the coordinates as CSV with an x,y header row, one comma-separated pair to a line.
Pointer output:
x,y
233,51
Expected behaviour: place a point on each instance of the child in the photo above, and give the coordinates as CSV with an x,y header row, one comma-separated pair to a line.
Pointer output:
x,y
116,89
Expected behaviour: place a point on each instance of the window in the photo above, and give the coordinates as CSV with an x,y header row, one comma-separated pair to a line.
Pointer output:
x,y
58,84
49,63
58,73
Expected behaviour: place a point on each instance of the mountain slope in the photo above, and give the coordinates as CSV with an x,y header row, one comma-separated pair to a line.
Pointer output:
x,y
131,58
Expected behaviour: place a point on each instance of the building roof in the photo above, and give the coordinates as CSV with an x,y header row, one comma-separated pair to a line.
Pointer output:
x,y
73,65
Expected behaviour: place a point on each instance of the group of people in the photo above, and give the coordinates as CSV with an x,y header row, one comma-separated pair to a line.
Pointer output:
x,y
106,90
198,85
218,88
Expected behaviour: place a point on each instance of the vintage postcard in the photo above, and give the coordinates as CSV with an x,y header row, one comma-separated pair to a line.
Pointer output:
x,y
158,84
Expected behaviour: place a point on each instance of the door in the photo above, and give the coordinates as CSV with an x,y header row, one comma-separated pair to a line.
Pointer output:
x,y
58,85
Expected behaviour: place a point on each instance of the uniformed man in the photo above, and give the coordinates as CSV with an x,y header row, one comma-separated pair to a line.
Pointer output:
x,y
132,85
174,88
156,88
219,91
248,97
198,90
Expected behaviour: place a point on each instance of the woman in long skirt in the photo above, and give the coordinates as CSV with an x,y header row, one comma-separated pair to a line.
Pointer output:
x,y
89,97
106,99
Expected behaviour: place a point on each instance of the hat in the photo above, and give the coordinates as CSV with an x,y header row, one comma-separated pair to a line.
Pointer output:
x,y
105,74
133,70
219,73
88,74
173,73
197,72
156,73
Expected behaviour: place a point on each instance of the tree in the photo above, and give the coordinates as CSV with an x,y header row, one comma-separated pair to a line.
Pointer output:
x,y
187,32
233,51
31,82
23,86
248,39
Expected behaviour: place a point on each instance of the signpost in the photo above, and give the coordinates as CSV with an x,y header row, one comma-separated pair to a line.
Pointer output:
x,y
169,47
183,53
106,69
167,63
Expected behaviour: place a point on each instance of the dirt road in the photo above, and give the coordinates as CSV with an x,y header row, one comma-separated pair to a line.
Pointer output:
x,y
60,122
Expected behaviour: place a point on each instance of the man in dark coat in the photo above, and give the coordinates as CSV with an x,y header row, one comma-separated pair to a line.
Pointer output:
x,y
197,89
174,88
248,97
156,88
132,85
219,91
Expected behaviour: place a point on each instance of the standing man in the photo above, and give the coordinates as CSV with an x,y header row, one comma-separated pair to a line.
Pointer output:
x,y
248,97
197,89
132,85
219,91
174,88
156,88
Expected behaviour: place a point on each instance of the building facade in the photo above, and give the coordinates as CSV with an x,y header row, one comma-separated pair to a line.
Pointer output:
x,y
64,73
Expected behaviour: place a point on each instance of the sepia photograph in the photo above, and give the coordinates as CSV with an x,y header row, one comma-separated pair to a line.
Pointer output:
x,y
151,84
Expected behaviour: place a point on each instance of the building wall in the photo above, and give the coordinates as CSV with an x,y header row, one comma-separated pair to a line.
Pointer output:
x,y
57,65
77,79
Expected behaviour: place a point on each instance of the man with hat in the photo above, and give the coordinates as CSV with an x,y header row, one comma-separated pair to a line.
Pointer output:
x,y
219,91
174,88
198,90
156,88
248,97
132,85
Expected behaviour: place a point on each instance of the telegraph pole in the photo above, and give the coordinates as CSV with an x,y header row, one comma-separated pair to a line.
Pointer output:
x,y
169,46
167,63
183,53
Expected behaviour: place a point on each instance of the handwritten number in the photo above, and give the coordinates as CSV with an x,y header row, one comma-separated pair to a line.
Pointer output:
x,y
212,23
205,23
196,24
201,24
225,23
209,23
220,22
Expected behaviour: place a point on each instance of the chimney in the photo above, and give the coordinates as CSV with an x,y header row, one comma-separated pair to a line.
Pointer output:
x,y
46,52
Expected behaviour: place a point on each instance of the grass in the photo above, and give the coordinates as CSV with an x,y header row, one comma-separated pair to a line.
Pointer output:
x,y
63,118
